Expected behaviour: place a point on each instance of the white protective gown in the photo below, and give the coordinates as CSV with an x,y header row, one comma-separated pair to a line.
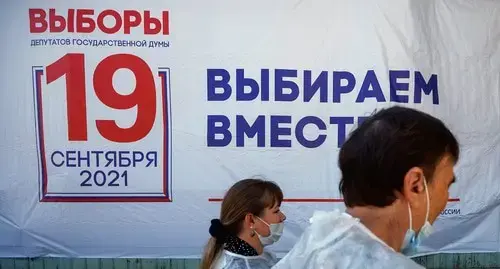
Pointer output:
x,y
336,240
229,260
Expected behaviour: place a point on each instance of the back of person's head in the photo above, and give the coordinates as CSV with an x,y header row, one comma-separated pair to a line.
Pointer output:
x,y
377,155
248,196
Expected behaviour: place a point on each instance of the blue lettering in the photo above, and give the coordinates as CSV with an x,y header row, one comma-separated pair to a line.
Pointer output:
x,y
299,132
370,81
311,88
213,84
73,158
258,128
70,158
137,157
341,122
152,158
222,129
110,156
276,131
241,82
427,87
338,88
264,85
396,86
82,158
61,163
450,211
280,85
101,178
97,155
123,160
286,88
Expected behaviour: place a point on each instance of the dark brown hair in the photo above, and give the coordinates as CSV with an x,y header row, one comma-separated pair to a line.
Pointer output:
x,y
245,196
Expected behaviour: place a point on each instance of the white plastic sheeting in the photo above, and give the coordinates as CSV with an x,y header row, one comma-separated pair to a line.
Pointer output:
x,y
75,183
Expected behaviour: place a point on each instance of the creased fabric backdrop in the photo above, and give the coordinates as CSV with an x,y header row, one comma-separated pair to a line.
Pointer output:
x,y
123,122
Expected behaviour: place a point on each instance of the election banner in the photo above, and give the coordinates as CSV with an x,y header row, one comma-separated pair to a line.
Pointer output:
x,y
125,122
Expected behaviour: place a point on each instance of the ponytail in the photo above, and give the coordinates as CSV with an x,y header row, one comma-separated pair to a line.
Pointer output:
x,y
212,251
215,243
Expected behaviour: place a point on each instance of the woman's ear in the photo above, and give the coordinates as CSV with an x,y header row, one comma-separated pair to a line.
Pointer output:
x,y
249,221
413,185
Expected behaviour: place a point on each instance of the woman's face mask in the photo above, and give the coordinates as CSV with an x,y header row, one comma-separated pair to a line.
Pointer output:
x,y
412,239
275,232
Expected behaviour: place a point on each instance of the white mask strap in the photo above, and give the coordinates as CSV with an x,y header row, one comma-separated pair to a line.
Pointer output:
x,y
428,201
264,222
409,213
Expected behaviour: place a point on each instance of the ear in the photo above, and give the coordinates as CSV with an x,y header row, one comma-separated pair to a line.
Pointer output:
x,y
249,220
413,185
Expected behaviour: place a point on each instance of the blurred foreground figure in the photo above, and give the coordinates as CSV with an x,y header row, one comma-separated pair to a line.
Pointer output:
x,y
250,219
396,169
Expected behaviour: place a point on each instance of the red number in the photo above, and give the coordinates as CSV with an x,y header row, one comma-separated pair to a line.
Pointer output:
x,y
73,66
144,95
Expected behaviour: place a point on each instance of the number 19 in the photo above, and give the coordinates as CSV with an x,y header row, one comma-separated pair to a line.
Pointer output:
x,y
143,96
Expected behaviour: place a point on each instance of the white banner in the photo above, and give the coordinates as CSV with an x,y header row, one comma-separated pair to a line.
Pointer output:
x,y
123,122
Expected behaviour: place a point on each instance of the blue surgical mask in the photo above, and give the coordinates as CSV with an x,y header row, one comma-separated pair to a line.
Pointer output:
x,y
275,232
412,239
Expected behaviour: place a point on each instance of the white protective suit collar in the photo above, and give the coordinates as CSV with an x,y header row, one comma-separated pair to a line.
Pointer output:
x,y
338,240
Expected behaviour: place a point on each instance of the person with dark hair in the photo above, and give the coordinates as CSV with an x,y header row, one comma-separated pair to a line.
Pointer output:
x,y
397,167
250,219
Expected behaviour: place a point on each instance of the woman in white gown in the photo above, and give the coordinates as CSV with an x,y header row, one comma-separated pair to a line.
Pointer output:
x,y
250,219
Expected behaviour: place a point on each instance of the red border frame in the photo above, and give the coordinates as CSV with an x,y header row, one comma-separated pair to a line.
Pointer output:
x,y
39,113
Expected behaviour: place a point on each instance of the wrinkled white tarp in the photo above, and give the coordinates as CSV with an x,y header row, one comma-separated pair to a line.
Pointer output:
x,y
457,41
